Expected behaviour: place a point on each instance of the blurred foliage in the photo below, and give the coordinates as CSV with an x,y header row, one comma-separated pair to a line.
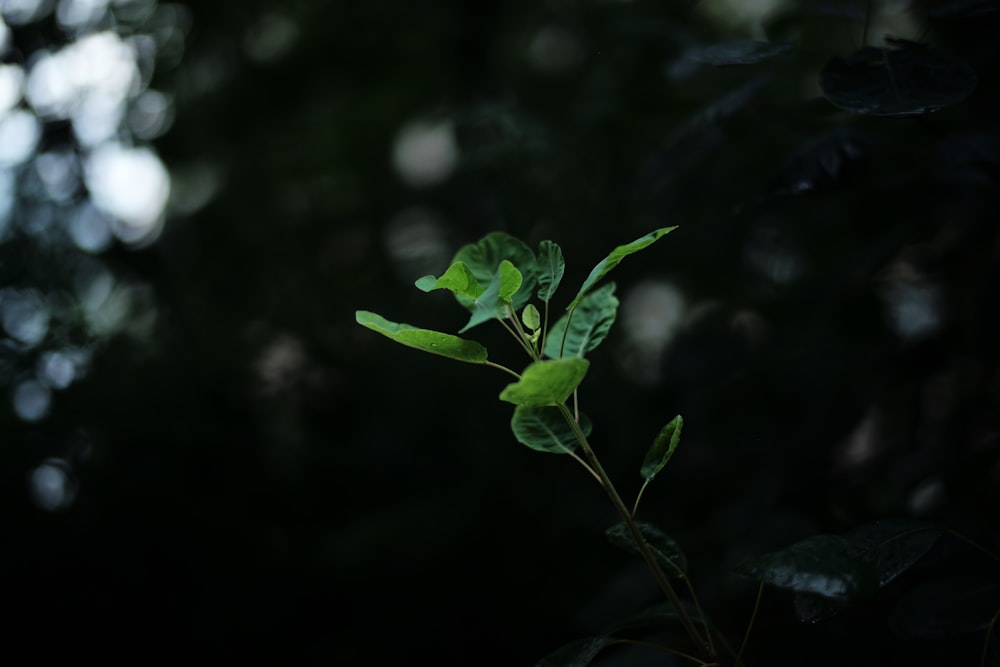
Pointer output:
x,y
249,483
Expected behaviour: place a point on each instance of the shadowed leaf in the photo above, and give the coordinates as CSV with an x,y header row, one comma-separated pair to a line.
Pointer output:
x,y
667,552
544,429
662,449
739,53
589,325
551,267
821,565
576,654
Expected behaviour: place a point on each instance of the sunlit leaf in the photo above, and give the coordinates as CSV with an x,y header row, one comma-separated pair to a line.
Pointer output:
x,y
579,653
956,605
665,550
484,258
744,52
662,449
589,325
614,259
531,317
551,267
495,301
458,279
545,429
434,342
821,565
546,382
896,82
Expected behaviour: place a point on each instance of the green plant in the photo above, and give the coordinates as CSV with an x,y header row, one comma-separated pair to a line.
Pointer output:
x,y
499,279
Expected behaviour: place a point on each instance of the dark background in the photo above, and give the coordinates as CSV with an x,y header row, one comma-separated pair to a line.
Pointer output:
x,y
259,478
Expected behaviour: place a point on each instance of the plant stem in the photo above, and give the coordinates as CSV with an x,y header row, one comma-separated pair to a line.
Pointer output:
x,y
753,617
640,541
501,367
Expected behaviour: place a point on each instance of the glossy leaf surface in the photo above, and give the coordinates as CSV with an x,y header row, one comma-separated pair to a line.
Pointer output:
x,y
546,382
821,565
544,429
579,653
485,256
434,342
589,325
551,267
662,449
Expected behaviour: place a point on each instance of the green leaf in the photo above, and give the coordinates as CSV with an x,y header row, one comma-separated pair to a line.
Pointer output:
x,y
546,382
579,653
484,258
531,317
434,342
589,325
896,82
822,565
551,267
545,429
614,259
665,550
892,546
662,449
458,279
495,301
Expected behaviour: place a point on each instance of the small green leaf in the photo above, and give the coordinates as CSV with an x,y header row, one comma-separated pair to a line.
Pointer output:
x,y
546,382
495,301
665,550
531,317
484,257
545,429
510,281
434,342
821,565
589,325
458,279
576,654
551,267
662,449
614,259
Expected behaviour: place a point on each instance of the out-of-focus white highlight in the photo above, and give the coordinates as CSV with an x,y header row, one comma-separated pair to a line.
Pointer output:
x,y
52,485
652,312
425,153
19,135
132,186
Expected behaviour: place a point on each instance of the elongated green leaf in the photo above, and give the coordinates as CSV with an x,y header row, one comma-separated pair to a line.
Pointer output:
x,y
614,259
495,301
546,382
484,257
434,342
551,267
662,449
821,565
576,654
589,325
545,429
458,279
666,551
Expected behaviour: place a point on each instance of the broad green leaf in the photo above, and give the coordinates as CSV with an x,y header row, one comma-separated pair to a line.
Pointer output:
x,y
484,257
434,342
458,279
576,654
551,267
531,317
614,259
662,449
546,382
495,301
896,82
589,324
892,546
545,429
666,552
821,565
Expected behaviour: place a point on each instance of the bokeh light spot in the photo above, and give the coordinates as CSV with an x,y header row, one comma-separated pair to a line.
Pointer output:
x,y
52,486
425,153
32,400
